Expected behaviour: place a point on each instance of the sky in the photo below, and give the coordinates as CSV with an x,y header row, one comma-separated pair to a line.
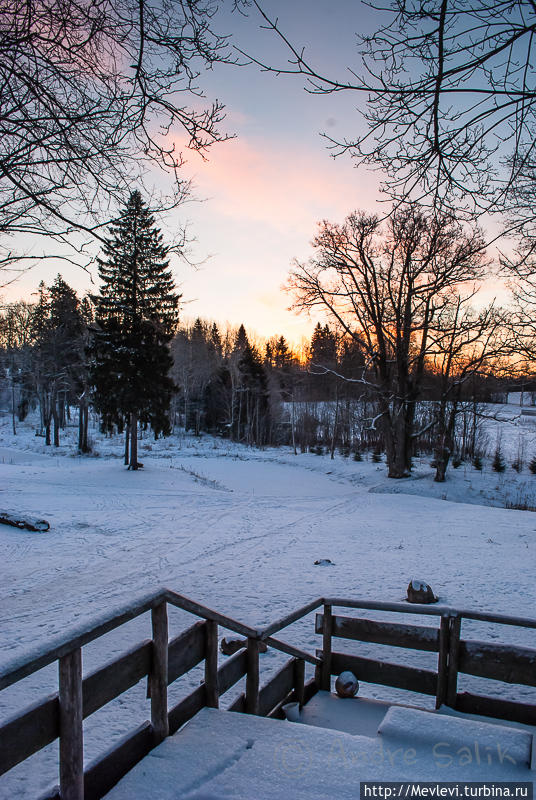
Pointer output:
x,y
257,199
260,195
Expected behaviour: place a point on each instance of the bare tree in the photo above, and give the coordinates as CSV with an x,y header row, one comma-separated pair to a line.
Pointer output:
x,y
449,90
385,286
92,92
464,345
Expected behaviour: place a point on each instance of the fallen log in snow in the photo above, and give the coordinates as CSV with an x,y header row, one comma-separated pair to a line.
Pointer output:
x,y
27,523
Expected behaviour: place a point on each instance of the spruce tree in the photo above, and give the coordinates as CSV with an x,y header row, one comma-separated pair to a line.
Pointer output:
x,y
136,314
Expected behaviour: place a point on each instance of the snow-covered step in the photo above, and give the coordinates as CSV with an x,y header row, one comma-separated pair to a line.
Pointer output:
x,y
356,715
223,754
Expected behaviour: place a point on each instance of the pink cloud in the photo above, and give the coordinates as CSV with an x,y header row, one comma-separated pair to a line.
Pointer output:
x,y
264,182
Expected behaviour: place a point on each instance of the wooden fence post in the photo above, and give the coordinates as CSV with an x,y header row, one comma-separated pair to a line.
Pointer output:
x,y
252,678
442,661
299,680
325,673
158,677
454,646
211,664
71,728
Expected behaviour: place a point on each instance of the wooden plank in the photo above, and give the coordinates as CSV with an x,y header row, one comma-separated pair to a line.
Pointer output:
x,y
496,707
38,726
290,650
186,651
292,617
187,709
20,668
211,664
207,613
432,610
231,672
442,662
416,637
71,730
252,677
299,679
103,773
239,704
25,734
158,676
275,691
454,647
385,673
311,688
325,669
116,677
498,662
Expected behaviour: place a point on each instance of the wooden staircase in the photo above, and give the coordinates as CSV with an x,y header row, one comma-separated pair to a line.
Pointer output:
x,y
162,661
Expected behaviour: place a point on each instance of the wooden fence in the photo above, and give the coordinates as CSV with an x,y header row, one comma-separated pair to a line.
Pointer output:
x,y
505,663
163,661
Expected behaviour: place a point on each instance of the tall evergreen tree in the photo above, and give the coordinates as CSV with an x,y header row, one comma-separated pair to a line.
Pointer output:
x,y
136,313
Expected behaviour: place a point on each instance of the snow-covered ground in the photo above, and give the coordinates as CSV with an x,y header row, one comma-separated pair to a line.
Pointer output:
x,y
239,530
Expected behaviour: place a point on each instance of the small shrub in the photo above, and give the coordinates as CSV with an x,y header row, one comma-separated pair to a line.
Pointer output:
x,y
517,465
477,463
358,456
498,464
377,457
318,450
456,461
532,466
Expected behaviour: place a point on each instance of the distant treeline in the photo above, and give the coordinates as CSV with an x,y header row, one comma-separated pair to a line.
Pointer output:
x,y
260,393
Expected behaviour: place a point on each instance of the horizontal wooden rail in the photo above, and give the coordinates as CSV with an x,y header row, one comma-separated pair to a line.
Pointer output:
x,y
394,634
432,611
231,672
289,619
498,662
107,683
180,601
496,707
186,651
387,674
277,689
22,667
290,650
38,725
28,732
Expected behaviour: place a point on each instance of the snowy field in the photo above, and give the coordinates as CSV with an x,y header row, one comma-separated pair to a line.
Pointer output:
x,y
239,530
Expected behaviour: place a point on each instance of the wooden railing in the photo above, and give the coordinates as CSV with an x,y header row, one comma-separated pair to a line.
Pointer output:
x,y
164,661
506,663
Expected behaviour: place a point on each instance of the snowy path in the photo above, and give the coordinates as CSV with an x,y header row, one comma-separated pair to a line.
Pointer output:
x,y
238,532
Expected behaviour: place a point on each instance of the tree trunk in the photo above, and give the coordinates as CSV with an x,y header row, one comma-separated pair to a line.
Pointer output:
x,y
83,416
56,419
396,442
293,426
127,444
133,442
335,422
13,406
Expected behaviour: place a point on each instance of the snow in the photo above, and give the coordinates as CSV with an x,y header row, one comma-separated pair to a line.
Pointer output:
x,y
239,530
221,754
